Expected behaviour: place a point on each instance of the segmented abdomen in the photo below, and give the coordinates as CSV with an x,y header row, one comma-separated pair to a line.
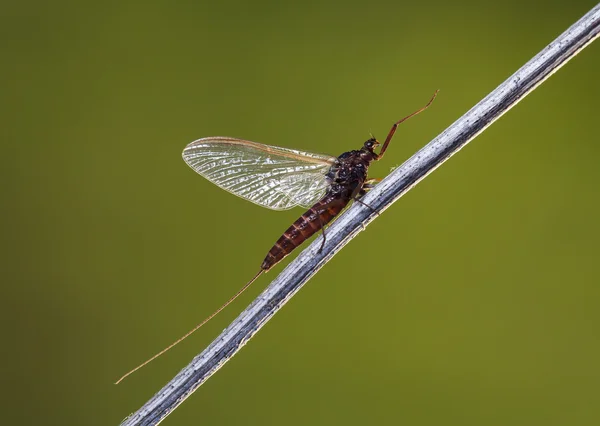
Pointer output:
x,y
303,228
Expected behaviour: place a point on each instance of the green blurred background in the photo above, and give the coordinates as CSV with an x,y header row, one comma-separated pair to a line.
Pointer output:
x,y
473,301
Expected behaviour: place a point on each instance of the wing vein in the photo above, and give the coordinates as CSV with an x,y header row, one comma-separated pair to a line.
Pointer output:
x,y
270,176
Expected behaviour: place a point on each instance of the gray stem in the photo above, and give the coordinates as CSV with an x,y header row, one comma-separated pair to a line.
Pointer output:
x,y
298,272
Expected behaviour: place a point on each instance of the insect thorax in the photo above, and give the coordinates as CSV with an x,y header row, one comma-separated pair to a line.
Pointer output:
x,y
351,168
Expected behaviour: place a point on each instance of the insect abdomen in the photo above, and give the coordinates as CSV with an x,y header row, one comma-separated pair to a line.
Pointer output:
x,y
302,229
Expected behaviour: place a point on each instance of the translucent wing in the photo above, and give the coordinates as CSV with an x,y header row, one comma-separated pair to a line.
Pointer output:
x,y
270,176
304,189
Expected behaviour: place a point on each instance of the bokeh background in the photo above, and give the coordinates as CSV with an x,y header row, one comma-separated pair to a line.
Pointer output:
x,y
473,301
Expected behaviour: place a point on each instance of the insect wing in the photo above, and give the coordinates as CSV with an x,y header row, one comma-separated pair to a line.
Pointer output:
x,y
305,189
269,176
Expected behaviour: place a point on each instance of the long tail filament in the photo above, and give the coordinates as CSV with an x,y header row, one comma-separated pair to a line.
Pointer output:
x,y
235,296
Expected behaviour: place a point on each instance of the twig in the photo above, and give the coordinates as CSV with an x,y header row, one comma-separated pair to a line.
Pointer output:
x,y
508,94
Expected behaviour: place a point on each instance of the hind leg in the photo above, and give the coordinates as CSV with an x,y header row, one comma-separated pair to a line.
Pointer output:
x,y
322,232
320,219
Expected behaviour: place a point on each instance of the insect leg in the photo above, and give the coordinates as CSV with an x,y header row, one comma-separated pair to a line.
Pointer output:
x,y
395,126
365,204
335,203
368,185
322,232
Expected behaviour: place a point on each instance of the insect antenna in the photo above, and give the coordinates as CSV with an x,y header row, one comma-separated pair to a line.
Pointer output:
x,y
235,296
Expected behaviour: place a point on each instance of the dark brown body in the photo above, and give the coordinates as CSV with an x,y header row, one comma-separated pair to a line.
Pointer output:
x,y
348,181
348,177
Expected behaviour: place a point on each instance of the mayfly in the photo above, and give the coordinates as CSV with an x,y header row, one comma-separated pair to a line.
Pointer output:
x,y
282,178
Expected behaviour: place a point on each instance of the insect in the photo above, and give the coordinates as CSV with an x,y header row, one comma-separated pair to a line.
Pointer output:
x,y
282,178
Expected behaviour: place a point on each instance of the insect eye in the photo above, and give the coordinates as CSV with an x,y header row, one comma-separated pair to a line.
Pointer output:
x,y
370,144
359,166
